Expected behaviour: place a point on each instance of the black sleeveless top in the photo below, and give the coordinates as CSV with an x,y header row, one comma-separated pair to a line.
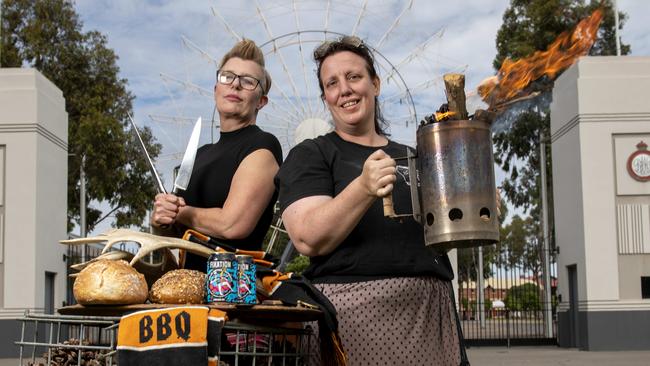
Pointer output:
x,y
377,247
214,168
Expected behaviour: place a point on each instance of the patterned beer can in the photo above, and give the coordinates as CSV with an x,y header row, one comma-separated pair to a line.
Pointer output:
x,y
221,279
246,286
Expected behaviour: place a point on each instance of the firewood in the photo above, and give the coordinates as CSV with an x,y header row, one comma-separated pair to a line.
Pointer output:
x,y
61,356
485,116
455,91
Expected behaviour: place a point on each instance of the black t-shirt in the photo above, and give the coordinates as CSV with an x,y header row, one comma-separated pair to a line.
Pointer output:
x,y
378,247
214,168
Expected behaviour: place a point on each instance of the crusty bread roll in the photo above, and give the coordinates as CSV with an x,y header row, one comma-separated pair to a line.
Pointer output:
x,y
180,286
108,282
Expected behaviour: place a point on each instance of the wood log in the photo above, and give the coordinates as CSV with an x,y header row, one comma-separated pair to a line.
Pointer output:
x,y
455,91
486,116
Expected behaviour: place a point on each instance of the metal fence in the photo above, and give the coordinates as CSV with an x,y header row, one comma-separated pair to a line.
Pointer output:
x,y
513,306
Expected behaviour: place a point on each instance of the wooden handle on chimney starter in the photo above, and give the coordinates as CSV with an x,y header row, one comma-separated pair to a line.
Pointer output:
x,y
389,211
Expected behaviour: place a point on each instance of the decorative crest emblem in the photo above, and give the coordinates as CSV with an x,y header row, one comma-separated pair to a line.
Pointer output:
x,y
638,164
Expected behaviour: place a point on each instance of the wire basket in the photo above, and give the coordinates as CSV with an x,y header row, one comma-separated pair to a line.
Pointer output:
x,y
53,340
245,344
67,340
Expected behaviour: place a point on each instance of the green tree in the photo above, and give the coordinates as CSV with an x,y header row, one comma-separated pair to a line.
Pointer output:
x,y
524,297
47,35
532,25
298,264
519,246
468,262
529,26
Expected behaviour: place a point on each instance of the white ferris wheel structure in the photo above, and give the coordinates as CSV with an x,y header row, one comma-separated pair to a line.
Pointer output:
x,y
408,55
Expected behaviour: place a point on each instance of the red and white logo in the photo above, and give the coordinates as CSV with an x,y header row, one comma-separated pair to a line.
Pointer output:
x,y
638,164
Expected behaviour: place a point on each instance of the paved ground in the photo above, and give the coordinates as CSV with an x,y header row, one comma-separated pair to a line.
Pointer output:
x,y
532,356
553,356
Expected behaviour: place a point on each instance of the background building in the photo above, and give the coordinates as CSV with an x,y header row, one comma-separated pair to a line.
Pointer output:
x,y
600,129
33,199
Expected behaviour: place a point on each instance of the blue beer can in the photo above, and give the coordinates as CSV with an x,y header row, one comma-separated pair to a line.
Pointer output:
x,y
246,286
221,279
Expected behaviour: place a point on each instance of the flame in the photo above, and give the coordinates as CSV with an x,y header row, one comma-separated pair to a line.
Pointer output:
x,y
514,76
442,115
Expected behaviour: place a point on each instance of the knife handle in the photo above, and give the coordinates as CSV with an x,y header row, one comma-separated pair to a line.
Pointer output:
x,y
256,254
264,263
174,192
197,234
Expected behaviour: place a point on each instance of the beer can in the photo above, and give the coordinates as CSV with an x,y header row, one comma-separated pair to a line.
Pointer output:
x,y
246,285
221,279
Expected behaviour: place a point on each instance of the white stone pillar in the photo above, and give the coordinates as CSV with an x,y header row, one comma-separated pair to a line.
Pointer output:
x,y
600,111
33,198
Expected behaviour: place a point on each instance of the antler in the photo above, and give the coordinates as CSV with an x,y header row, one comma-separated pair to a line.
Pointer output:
x,y
148,242
151,271
113,256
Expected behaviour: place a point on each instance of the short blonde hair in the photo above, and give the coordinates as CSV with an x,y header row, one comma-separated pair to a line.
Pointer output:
x,y
248,50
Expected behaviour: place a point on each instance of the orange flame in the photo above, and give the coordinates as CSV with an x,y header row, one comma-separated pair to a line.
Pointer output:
x,y
514,76
442,115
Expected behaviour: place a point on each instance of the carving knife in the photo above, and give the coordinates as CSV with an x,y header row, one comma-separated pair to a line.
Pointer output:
x,y
185,170
154,172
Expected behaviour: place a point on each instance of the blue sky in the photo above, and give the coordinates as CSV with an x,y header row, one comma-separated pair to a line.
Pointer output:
x,y
167,51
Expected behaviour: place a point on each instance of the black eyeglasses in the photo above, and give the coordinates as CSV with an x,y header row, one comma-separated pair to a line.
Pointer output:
x,y
326,47
245,81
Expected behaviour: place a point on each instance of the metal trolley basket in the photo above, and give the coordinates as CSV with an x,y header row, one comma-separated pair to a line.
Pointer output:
x,y
91,340
245,344
67,339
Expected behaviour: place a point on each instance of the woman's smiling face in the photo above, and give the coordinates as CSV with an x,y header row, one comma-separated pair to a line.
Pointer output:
x,y
349,91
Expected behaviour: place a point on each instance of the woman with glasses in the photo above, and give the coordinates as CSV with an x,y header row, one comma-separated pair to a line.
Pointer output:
x,y
391,293
231,194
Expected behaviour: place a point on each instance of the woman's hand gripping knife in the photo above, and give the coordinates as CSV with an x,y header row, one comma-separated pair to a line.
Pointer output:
x,y
318,224
165,211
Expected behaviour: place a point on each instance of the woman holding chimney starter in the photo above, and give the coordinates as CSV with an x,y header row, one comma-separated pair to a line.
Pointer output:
x,y
391,293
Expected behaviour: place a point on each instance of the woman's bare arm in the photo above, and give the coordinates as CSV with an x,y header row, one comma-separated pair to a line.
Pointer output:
x,y
250,192
318,224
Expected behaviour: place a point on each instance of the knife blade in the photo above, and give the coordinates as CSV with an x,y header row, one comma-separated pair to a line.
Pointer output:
x,y
154,172
185,170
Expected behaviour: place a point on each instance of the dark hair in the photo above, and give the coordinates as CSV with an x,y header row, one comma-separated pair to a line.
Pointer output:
x,y
355,45
248,50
